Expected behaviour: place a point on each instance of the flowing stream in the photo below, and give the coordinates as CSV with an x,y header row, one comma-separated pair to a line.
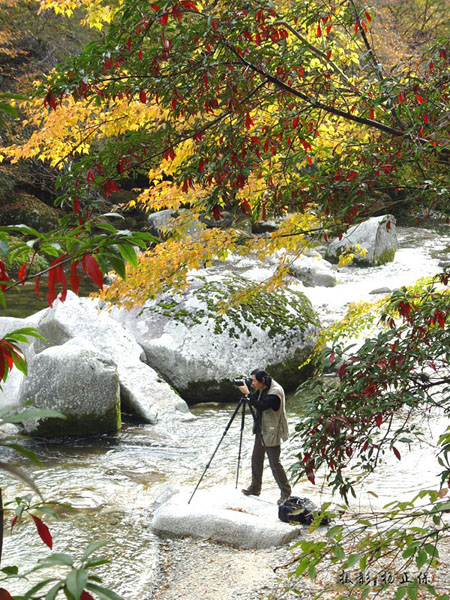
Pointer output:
x,y
113,482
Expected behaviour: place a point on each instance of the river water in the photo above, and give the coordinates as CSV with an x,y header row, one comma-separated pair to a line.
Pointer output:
x,y
112,482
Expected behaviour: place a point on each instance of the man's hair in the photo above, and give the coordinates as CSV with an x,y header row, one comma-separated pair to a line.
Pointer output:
x,y
260,374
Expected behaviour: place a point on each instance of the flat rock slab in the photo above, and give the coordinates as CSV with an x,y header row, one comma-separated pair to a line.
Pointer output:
x,y
224,515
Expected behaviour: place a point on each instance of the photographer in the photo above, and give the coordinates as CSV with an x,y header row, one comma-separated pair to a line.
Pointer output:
x,y
270,425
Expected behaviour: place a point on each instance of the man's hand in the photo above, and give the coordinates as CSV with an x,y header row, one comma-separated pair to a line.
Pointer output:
x,y
244,389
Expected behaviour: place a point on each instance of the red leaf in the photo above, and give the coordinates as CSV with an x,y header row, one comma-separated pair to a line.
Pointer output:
x,y
43,531
154,6
328,55
140,54
5,595
295,122
74,278
332,357
246,208
22,272
50,100
86,596
371,114
214,24
325,237
3,275
56,275
356,27
329,29
189,5
13,522
419,99
94,271
248,121
129,43
319,31
388,225
396,452
164,19
90,176
379,419
142,97
368,17
216,213
76,205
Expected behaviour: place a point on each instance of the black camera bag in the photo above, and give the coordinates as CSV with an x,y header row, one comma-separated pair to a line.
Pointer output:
x,y
299,510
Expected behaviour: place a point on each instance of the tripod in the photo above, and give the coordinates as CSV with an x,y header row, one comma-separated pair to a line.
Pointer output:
x,y
242,402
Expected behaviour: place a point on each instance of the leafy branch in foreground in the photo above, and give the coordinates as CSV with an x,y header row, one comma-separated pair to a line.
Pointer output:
x,y
400,372
369,552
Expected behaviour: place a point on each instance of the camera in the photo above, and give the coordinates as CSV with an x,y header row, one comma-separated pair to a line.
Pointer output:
x,y
245,381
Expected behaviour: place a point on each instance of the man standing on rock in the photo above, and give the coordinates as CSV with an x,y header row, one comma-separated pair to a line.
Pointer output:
x,y
270,428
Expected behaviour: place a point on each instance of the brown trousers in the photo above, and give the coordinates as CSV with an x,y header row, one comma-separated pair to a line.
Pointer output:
x,y
275,464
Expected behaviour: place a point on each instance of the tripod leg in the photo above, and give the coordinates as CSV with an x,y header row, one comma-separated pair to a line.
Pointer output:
x,y
240,443
242,401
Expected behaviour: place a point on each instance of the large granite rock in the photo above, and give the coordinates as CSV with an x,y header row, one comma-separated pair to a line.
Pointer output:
x,y
377,235
200,351
142,389
79,383
224,515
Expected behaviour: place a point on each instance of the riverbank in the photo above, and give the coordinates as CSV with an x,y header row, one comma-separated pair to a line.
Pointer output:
x,y
193,568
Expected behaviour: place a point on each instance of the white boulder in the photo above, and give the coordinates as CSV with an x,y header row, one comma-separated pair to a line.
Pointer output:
x,y
224,515
377,236
77,382
200,351
142,389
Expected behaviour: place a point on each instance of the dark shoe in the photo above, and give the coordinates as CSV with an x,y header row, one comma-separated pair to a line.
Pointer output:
x,y
250,492
282,499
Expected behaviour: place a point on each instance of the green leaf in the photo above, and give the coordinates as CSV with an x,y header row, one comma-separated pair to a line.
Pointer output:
x,y
47,511
8,109
421,558
106,226
36,588
118,265
34,413
10,570
338,551
76,582
53,592
24,451
128,253
410,550
102,592
95,562
352,560
312,570
432,550
400,592
412,591
93,548
334,531
58,558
